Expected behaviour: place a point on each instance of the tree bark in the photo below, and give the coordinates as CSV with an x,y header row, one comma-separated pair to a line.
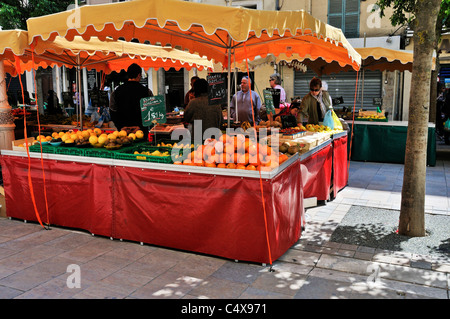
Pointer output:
x,y
412,212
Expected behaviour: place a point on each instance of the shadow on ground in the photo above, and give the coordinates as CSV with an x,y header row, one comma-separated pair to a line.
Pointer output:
x,y
376,228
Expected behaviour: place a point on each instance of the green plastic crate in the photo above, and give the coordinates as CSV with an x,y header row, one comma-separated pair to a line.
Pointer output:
x,y
69,150
129,154
36,148
98,152
104,152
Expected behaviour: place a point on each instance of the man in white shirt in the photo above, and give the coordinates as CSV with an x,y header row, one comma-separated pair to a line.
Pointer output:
x,y
243,101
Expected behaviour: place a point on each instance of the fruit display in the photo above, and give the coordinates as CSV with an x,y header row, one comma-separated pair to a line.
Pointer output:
x,y
267,124
233,152
91,138
150,153
378,116
317,128
43,139
371,117
19,112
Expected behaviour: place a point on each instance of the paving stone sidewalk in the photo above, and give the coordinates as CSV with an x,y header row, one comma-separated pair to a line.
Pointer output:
x,y
34,262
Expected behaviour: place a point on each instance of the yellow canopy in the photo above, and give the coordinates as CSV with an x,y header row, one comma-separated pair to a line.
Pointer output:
x,y
209,30
373,58
104,56
12,43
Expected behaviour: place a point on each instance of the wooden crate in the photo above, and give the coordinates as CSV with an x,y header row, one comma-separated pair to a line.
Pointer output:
x,y
19,145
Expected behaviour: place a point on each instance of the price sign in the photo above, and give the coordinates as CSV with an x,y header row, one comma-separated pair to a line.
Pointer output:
x,y
217,88
153,108
268,101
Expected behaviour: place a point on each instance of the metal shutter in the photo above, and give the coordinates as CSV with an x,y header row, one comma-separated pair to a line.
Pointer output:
x,y
343,84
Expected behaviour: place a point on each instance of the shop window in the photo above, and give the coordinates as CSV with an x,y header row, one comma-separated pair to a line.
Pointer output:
x,y
250,4
344,14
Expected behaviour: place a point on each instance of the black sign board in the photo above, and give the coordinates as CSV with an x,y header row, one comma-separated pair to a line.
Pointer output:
x,y
153,108
377,101
217,88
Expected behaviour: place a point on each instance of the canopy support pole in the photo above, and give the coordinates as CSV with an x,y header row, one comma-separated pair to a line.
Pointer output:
x,y
6,117
80,108
229,83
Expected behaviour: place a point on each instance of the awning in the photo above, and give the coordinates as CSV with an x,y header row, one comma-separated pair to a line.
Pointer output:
x,y
374,58
209,30
104,56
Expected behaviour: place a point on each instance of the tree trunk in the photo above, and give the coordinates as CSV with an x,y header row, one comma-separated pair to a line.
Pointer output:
x,y
412,212
434,75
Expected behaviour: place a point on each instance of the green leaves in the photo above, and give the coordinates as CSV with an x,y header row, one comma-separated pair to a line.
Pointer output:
x,y
14,13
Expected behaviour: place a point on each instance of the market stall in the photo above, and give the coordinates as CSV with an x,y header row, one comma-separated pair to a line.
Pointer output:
x,y
207,210
386,141
224,34
248,214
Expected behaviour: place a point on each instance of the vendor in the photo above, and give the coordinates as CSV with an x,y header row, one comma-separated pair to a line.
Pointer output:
x,y
209,116
289,117
316,103
124,104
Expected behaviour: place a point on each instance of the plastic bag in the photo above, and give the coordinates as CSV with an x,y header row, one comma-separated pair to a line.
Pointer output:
x,y
447,125
328,119
337,122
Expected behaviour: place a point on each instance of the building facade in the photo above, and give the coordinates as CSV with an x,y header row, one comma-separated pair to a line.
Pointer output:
x,y
363,27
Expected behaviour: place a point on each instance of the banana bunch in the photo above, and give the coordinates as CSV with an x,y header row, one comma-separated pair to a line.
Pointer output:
x,y
245,125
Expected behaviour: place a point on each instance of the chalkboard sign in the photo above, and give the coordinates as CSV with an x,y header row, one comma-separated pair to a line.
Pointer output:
x,y
268,102
153,108
377,101
217,88
276,93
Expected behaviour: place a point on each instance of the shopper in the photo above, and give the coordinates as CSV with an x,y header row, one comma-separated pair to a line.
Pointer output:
x,y
199,109
316,103
275,83
243,101
190,94
124,104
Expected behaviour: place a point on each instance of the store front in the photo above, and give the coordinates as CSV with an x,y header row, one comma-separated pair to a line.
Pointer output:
x,y
343,85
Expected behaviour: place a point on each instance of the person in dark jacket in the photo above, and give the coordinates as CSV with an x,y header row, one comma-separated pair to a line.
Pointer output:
x,y
52,103
199,109
124,104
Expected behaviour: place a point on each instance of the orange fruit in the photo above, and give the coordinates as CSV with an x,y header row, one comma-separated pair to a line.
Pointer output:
x,y
210,164
254,159
253,148
220,158
231,165
282,158
221,165
188,161
223,138
208,151
265,150
243,158
250,167
240,166
218,147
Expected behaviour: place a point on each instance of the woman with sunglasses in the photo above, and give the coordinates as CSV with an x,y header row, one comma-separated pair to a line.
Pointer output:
x,y
316,103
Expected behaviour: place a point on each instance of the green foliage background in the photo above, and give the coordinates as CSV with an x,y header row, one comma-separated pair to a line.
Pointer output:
x,y
14,13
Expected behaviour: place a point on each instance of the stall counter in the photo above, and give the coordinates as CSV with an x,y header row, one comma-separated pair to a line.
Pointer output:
x,y
385,142
213,211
